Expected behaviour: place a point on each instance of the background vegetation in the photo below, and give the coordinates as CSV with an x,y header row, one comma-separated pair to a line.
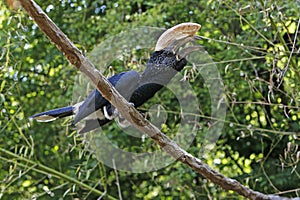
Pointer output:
x,y
256,49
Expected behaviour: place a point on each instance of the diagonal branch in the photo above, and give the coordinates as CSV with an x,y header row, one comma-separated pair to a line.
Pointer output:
x,y
75,57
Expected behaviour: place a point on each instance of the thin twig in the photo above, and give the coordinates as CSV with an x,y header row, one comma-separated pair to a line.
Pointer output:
x,y
291,54
230,61
257,49
117,180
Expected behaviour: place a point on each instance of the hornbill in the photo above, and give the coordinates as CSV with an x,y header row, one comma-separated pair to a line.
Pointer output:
x,y
162,66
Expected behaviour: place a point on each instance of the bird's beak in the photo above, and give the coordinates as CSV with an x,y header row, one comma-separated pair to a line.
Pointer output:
x,y
177,35
188,50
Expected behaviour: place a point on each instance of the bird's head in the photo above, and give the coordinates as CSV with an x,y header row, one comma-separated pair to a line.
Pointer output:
x,y
165,59
171,50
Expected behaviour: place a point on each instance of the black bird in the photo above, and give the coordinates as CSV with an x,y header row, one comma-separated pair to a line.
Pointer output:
x,y
161,67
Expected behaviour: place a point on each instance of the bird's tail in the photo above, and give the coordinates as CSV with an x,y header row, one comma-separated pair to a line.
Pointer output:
x,y
51,115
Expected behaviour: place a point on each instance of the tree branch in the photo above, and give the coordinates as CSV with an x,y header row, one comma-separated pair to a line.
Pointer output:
x,y
75,57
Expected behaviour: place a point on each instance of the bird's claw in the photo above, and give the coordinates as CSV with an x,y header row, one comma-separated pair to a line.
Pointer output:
x,y
110,113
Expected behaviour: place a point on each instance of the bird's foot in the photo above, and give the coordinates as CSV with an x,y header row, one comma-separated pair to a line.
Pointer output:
x,y
110,112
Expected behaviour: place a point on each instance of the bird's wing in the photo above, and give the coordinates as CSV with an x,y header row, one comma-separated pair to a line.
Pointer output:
x,y
125,83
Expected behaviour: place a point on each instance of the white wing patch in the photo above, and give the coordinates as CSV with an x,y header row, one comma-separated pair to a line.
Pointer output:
x,y
45,118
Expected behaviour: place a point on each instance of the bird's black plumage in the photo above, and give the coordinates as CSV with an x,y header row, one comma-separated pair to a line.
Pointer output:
x,y
161,67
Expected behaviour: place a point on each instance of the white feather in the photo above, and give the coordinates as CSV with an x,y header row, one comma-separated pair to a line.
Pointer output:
x,y
45,118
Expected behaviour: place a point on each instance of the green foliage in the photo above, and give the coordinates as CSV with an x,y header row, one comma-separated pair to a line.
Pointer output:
x,y
251,44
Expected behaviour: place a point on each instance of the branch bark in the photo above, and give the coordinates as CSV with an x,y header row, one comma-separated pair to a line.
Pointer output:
x,y
76,58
